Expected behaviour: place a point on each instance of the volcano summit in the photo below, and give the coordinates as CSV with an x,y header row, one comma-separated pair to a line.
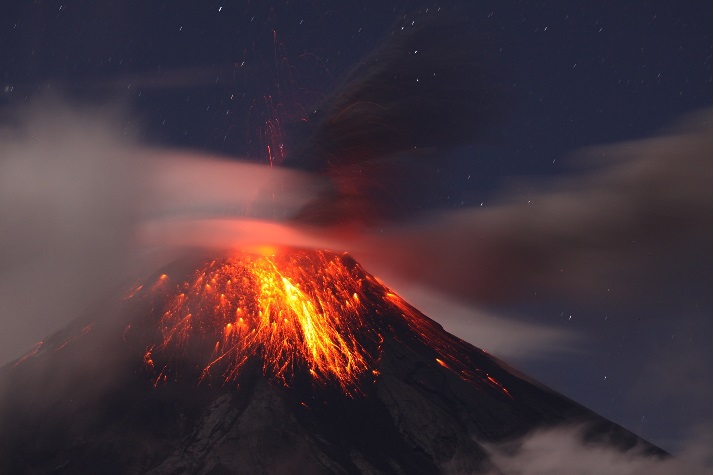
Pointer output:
x,y
287,361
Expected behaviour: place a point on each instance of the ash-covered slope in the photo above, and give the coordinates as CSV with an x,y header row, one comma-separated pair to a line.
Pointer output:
x,y
296,363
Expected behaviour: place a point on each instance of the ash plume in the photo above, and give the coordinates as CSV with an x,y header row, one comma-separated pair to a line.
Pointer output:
x,y
429,87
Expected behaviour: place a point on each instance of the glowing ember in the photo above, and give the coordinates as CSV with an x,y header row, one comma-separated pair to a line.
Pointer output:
x,y
298,311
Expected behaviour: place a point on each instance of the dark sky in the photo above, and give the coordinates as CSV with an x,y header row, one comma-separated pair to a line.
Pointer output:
x,y
236,77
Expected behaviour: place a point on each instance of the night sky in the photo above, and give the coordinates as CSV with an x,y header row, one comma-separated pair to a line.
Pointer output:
x,y
235,78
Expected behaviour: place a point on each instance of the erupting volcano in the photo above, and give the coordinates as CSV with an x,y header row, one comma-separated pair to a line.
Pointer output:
x,y
300,313
278,361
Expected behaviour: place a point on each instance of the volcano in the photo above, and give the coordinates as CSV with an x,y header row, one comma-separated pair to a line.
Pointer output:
x,y
274,361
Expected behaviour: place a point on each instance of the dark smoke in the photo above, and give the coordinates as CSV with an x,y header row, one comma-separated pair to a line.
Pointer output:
x,y
427,88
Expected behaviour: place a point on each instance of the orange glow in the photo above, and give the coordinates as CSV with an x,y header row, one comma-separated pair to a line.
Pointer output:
x,y
296,311
498,385
160,282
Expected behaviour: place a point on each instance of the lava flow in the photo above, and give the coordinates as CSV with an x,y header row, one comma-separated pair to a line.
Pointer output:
x,y
302,314
296,311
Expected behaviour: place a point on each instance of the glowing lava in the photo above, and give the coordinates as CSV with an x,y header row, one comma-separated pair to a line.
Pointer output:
x,y
304,315
296,311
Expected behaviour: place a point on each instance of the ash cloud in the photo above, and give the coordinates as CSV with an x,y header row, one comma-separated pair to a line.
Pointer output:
x,y
428,85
